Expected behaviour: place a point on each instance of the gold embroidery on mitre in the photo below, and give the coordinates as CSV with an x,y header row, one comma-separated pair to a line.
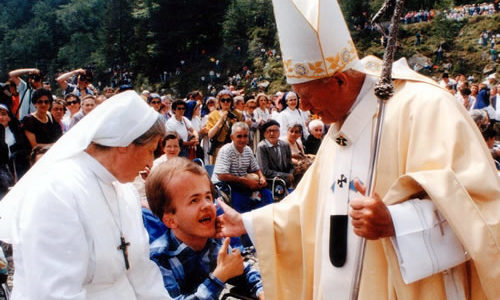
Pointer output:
x,y
316,67
287,64
321,69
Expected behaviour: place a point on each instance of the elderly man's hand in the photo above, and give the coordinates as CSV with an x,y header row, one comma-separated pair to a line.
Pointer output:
x,y
370,217
230,223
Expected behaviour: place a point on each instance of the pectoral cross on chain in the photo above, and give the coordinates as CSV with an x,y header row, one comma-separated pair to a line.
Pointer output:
x,y
342,141
123,247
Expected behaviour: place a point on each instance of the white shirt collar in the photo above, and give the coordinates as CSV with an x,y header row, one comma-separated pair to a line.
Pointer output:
x,y
360,113
99,170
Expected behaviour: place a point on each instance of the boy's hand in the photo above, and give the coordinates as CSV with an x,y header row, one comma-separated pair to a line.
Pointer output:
x,y
230,223
229,265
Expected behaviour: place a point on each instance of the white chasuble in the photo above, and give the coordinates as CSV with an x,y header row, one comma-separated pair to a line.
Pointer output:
x,y
430,147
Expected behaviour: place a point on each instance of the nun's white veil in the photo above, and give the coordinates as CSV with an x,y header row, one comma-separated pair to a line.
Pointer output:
x,y
117,122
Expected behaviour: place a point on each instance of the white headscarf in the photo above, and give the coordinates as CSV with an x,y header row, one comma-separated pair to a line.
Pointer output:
x,y
117,122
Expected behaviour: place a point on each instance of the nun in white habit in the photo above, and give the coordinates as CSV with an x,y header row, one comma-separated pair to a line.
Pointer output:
x,y
75,221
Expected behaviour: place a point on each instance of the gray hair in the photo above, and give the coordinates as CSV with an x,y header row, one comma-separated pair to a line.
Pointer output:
x,y
156,130
239,125
316,123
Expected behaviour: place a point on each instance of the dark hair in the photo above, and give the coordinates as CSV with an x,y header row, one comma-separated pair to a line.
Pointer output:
x,y
489,133
39,93
37,150
60,102
35,76
295,125
465,92
71,96
158,189
178,103
171,135
153,96
86,75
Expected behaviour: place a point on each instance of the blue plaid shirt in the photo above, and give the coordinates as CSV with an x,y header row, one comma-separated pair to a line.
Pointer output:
x,y
187,273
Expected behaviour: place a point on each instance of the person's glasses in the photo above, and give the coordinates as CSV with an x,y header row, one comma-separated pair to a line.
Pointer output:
x,y
242,136
252,107
155,102
72,102
58,109
43,102
226,100
181,108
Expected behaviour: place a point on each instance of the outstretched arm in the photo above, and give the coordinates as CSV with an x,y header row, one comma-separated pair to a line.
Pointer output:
x,y
14,75
62,79
229,224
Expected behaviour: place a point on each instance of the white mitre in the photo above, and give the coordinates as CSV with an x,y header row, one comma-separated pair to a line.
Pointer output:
x,y
314,38
316,43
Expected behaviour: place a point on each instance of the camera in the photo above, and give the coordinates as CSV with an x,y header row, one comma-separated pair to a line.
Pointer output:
x,y
231,115
86,75
34,76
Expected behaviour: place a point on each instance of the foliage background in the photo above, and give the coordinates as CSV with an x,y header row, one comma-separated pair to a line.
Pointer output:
x,y
149,37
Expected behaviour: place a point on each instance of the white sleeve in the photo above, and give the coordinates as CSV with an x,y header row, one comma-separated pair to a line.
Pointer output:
x,y
53,253
247,222
424,242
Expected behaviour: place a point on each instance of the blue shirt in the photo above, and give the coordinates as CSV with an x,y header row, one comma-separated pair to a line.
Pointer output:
x,y
186,272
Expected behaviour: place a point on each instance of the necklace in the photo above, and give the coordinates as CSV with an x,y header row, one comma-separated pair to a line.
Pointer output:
x,y
123,243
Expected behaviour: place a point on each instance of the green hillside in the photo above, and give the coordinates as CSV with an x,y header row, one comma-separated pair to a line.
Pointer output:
x,y
463,54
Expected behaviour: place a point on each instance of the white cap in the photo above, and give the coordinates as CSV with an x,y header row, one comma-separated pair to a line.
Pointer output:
x,y
315,41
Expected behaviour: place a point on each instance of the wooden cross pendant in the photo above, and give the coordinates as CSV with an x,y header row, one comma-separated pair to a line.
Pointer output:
x,y
123,247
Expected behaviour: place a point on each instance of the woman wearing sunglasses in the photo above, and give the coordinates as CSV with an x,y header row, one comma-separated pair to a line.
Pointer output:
x,y
219,123
40,127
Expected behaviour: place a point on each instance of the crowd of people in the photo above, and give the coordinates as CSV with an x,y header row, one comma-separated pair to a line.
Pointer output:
x,y
256,145
251,149
457,13
480,100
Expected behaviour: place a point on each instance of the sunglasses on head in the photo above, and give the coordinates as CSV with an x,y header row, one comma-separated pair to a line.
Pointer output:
x,y
226,100
43,102
72,102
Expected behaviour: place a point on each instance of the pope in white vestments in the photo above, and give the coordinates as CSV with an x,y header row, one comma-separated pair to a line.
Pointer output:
x,y
435,178
75,226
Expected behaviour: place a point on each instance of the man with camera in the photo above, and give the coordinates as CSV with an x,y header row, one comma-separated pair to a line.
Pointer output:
x,y
25,90
81,88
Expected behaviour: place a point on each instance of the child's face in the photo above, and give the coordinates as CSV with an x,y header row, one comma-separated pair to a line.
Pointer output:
x,y
195,212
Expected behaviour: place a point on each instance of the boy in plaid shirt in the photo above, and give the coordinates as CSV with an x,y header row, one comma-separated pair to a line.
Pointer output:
x,y
194,265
